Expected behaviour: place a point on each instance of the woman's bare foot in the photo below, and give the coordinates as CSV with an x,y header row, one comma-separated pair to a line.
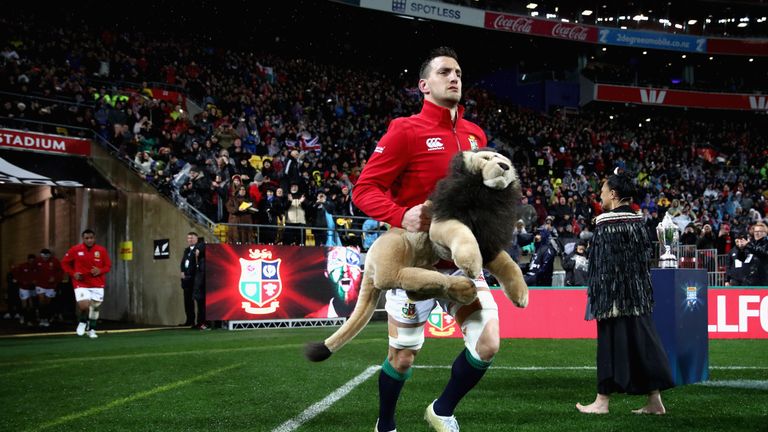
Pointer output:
x,y
653,406
599,406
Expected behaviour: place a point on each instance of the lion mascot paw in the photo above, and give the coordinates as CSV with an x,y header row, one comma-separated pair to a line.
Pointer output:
x,y
473,209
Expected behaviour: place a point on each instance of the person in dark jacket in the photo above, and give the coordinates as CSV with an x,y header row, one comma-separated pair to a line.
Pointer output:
x,y
757,272
736,269
538,272
575,265
193,281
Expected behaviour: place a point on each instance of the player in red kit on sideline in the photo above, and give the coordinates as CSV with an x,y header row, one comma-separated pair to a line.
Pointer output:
x,y
87,263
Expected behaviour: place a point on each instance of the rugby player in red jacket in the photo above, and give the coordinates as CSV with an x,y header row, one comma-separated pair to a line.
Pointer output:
x,y
87,263
48,273
401,173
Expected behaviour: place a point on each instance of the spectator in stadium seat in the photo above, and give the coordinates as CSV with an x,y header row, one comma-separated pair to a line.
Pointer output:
x,y
706,239
538,272
197,190
736,268
528,214
630,357
271,209
393,188
724,240
689,236
576,264
241,210
295,216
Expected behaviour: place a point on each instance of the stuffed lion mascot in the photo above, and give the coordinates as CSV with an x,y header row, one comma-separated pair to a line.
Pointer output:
x,y
473,209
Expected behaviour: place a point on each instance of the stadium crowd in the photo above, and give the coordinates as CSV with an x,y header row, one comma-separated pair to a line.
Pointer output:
x,y
281,141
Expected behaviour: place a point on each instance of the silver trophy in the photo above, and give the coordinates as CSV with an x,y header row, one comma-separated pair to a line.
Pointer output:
x,y
669,241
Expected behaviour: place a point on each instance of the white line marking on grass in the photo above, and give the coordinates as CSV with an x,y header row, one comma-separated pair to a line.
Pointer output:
x,y
544,368
136,396
744,384
516,368
319,407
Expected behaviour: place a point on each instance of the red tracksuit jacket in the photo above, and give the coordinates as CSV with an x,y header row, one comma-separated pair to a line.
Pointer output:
x,y
80,259
410,159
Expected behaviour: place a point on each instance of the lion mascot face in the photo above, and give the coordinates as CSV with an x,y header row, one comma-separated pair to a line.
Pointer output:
x,y
473,212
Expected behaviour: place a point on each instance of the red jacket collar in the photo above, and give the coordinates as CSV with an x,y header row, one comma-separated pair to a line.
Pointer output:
x,y
439,114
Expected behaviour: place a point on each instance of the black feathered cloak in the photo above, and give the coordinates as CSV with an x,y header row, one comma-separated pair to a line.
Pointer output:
x,y
619,266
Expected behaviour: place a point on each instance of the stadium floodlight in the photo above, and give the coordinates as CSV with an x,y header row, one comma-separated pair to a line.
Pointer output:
x,y
610,117
639,18
564,19
711,58
623,27
647,120
678,26
751,59
586,12
742,24
605,49
535,13
683,56
549,16
645,52
692,22
531,5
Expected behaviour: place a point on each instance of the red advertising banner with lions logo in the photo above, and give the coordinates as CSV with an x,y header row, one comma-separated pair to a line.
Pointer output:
x,y
559,313
268,282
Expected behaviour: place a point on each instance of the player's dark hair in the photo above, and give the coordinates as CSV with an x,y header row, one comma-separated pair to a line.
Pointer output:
x,y
192,233
87,231
442,51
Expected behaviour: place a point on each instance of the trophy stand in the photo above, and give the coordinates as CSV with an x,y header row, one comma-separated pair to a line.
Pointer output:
x,y
680,311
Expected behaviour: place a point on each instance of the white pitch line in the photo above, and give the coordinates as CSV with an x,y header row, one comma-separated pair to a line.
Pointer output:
x,y
744,384
319,407
566,368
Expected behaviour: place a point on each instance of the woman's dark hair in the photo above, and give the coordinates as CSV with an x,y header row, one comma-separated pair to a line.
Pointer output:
x,y
623,183
442,51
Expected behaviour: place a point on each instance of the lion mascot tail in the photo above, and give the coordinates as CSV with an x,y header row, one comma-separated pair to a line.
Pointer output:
x,y
366,305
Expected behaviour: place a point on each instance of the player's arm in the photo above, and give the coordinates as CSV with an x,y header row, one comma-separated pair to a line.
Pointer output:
x,y
384,167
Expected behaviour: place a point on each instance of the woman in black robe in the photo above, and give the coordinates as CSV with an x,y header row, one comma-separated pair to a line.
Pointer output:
x,y
630,357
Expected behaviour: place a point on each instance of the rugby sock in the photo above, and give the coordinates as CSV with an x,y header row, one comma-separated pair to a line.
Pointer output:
x,y
83,317
390,383
92,324
465,374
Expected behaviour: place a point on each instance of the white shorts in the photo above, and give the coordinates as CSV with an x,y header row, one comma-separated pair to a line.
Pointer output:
x,y
49,292
25,294
404,310
94,294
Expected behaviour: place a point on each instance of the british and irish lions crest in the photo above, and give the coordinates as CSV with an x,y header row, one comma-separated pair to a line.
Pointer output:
x,y
260,282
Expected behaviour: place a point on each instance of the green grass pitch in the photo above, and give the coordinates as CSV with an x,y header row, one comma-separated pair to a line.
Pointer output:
x,y
257,380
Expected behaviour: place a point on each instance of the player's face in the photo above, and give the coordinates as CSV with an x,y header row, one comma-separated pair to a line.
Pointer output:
x,y
343,267
443,85
89,239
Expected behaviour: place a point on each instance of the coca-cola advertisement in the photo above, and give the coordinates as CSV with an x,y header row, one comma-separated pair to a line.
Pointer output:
x,y
540,27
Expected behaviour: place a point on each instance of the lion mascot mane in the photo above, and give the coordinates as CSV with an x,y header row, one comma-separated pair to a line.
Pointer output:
x,y
473,209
